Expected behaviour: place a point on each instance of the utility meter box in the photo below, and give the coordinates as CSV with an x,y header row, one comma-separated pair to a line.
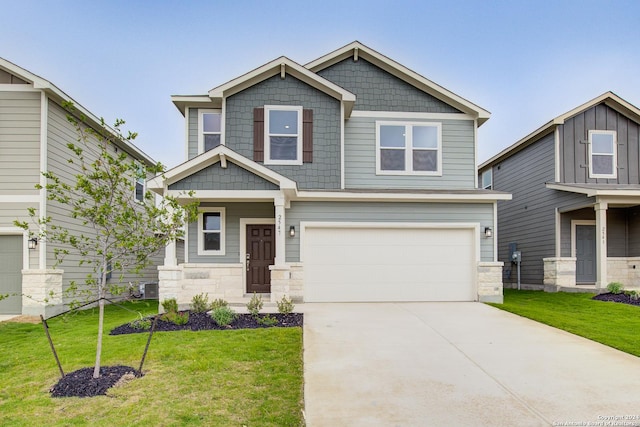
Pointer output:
x,y
516,257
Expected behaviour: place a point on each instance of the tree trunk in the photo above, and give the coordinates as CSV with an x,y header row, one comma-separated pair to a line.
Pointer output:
x,y
96,369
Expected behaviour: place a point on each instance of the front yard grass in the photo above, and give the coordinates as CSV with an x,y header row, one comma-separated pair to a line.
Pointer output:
x,y
226,378
609,323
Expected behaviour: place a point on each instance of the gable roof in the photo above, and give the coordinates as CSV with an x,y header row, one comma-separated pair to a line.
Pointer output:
x,y
281,66
608,98
221,154
359,50
59,96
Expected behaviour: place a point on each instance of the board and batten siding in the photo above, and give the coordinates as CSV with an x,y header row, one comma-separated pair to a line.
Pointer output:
x,y
481,213
458,157
59,133
573,149
19,142
619,239
233,213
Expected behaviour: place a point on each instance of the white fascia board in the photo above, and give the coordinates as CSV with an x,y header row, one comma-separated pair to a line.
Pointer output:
x,y
593,192
275,67
402,73
227,195
161,182
182,102
399,197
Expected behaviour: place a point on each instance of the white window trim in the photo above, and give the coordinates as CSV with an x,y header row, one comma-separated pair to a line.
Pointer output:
x,y
490,186
135,183
409,150
614,154
267,140
201,113
201,250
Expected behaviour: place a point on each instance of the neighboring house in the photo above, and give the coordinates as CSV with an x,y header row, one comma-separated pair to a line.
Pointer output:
x,y
351,178
576,194
34,132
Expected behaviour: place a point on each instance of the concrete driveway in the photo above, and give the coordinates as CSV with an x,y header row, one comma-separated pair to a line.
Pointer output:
x,y
458,364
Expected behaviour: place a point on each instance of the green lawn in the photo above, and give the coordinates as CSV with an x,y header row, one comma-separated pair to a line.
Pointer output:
x,y
612,324
212,378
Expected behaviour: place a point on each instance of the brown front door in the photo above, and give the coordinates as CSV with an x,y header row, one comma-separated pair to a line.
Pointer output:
x,y
261,249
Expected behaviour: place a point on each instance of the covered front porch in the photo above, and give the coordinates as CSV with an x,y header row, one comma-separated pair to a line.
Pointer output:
x,y
598,241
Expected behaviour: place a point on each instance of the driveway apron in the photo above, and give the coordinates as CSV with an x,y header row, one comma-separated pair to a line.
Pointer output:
x,y
458,364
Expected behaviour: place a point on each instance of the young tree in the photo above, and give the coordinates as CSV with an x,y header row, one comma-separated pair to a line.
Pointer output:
x,y
103,196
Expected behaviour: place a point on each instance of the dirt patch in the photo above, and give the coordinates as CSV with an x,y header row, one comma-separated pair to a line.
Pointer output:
x,y
25,319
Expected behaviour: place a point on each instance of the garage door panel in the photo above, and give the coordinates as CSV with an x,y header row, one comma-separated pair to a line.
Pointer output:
x,y
389,264
11,273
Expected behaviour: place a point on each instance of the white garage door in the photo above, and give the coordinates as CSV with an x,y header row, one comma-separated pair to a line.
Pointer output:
x,y
389,264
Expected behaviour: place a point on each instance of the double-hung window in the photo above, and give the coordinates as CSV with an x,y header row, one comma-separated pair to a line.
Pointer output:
x,y
139,183
602,154
283,135
487,179
408,148
211,224
209,130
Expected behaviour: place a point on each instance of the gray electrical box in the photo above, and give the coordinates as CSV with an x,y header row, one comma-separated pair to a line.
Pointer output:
x,y
516,257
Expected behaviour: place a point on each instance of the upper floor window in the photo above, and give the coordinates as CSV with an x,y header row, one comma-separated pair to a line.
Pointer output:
x,y
140,180
408,148
487,179
602,154
209,130
211,232
283,135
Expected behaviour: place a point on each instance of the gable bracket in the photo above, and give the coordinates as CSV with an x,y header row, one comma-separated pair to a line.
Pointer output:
x,y
355,54
223,161
282,71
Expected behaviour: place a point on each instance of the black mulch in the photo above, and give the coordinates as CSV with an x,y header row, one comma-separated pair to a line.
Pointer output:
x,y
203,322
622,298
81,383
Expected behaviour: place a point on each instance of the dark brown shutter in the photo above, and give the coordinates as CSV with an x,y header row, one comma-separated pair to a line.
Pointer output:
x,y
258,134
307,136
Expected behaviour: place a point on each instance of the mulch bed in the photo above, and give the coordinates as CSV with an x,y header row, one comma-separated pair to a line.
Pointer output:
x,y
204,322
81,383
621,298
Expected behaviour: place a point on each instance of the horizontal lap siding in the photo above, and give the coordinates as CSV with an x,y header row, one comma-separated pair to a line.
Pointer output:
x,y
233,213
388,212
458,157
19,142
192,145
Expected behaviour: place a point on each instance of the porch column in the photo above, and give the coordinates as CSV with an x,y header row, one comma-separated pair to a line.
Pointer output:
x,y
601,244
279,203
170,258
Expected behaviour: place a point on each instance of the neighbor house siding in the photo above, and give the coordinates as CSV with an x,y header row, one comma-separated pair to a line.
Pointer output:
x,y
233,213
19,142
458,157
192,133
60,132
215,177
573,149
378,90
324,171
634,231
481,213
529,218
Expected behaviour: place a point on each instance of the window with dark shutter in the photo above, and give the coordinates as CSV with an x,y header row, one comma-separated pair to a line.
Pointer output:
x,y
258,134
307,136
277,137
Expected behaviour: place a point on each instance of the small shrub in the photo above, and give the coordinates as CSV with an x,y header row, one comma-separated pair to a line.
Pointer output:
x,y
634,295
223,315
285,305
267,320
176,318
200,303
255,304
141,324
170,305
217,303
615,287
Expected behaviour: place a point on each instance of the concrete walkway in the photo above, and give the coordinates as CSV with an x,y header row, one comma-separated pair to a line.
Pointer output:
x,y
458,364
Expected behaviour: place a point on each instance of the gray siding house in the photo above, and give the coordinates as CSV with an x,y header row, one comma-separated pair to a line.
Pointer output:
x,y
351,178
576,185
34,132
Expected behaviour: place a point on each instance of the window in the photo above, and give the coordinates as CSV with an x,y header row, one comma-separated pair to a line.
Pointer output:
x,y
602,154
211,224
283,135
408,148
139,182
209,130
487,179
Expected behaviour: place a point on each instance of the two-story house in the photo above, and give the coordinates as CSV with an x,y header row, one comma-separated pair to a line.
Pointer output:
x,y
576,185
350,178
34,133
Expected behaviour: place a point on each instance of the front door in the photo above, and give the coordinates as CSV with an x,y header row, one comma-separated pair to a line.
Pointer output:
x,y
261,247
585,253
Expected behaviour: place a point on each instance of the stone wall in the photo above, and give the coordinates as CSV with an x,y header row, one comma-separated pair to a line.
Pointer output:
x,y
490,282
559,273
287,280
625,270
42,292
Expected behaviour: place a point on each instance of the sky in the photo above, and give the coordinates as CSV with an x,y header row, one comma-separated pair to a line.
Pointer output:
x,y
524,61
